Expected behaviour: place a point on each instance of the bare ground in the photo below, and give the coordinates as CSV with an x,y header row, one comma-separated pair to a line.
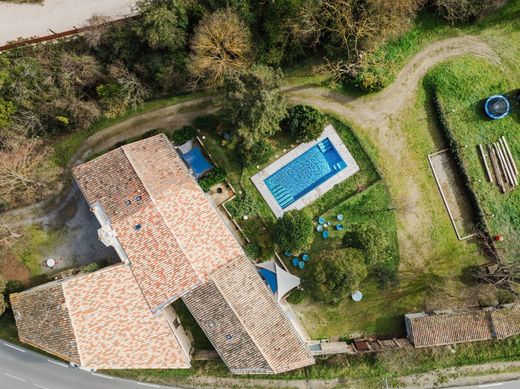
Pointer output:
x,y
375,121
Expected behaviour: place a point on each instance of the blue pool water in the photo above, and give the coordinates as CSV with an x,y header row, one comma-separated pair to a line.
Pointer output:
x,y
305,173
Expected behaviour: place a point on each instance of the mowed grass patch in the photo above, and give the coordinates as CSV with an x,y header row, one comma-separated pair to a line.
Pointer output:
x,y
31,250
461,86
380,311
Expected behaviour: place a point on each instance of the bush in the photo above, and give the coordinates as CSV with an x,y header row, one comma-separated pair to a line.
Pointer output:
x,y
505,296
211,178
242,205
293,231
305,123
370,239
296,297
183,134
386,275
253,251
334,274
3,303
13,286
260,153
91,267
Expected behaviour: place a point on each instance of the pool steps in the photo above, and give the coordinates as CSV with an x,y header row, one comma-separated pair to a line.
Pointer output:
x,y
325,145
282,196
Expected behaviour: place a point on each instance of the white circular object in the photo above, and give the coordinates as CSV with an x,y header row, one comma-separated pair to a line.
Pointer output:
x,y
246,217
51,262
203,136
357,295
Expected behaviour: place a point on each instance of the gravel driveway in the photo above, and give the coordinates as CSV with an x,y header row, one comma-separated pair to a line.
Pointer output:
x,y
30,20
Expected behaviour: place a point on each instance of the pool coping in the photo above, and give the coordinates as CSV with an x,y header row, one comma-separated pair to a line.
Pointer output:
x,y
351,169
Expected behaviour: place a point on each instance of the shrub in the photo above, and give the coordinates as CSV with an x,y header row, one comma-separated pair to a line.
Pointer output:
x,y
386,275
91,267
260,153
242,205
3,303
334,274
505,296
211,178
13,286
305,122
370,239
253,251
183,134
293,231
296,297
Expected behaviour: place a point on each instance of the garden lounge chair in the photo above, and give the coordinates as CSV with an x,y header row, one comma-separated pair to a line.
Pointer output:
x,y
321,220
301,264
339,227
325,234
305,257
295,261
339,217
319,228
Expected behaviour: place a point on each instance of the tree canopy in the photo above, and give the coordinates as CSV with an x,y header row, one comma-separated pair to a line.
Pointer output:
x,y
305,122
334,274
293,231
221,44
162,24
3,303
252,103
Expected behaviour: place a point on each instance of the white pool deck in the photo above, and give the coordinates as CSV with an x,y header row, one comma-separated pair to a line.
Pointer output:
x,y
302,202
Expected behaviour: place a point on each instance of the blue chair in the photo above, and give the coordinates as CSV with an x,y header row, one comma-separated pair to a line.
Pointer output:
x,y
339,227
288,253
319,228
321,220
305,257
339,217
301,264
325,234
295,261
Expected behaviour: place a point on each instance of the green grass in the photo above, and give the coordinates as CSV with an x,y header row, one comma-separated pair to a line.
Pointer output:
x,y
32,249
461,86
380,312
365,369
66,146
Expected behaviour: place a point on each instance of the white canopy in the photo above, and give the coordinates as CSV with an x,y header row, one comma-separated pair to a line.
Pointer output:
x,y
285,281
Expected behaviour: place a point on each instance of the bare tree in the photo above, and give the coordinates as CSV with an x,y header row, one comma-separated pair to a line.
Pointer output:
x,y
23,174
99,27
134,92
221,43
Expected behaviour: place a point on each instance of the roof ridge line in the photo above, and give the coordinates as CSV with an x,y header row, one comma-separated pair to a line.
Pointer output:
x,y
237,316
72,321
123,148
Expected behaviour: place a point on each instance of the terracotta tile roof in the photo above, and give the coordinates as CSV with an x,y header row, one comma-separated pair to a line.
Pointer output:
x,y
182,238
43,320
245,324
113,326
506,321
449,328
103,323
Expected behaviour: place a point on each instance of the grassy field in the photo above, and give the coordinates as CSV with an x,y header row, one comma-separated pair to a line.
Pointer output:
x,y
461,86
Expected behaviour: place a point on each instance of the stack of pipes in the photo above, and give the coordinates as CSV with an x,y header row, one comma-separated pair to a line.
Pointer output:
x,y
504,166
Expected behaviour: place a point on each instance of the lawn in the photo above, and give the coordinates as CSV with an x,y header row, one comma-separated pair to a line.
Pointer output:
x,y
461,85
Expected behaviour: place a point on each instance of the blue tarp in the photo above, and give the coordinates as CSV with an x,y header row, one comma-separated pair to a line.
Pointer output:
x,y
197,162
270,277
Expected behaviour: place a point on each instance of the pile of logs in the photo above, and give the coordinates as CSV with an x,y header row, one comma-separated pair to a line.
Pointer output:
x,y
504,166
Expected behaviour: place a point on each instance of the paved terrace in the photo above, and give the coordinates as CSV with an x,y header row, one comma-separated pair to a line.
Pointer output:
x,y
55,16
302,202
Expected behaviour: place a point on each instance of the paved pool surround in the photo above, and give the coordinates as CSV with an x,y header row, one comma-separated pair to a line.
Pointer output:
x,y
351,168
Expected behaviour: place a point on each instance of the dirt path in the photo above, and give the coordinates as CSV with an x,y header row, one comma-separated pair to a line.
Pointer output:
x,y
374,119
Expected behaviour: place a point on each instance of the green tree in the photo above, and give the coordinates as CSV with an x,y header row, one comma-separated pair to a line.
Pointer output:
x,y
6,111
305,122
162,24
252,103
258,154
293,231
333,274
370,239
3,303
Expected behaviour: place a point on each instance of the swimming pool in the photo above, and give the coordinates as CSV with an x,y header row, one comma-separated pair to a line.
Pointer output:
x,y
305,173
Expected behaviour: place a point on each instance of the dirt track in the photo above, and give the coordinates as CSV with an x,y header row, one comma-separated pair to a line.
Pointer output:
x,y
374,117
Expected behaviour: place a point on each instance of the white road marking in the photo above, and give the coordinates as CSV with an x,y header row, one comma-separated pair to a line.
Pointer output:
x,y
145,384
102,376
57,363
41,386
14,377
14,347
490,385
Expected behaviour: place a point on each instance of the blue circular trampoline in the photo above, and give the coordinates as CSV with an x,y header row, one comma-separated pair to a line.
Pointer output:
x,y
497,107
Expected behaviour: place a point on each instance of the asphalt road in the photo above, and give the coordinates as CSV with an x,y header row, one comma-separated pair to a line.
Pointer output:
x,y
24,369
496,385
